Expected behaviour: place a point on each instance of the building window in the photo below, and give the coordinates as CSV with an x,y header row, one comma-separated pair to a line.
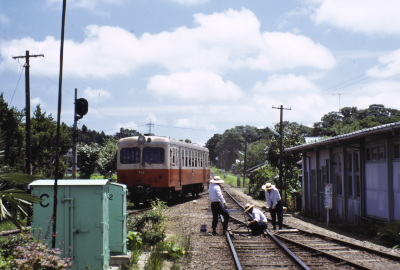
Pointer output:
x,y
375,153
339,184
353,174
396,151
337,170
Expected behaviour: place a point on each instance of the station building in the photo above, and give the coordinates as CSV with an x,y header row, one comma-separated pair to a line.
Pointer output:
x,y
354,177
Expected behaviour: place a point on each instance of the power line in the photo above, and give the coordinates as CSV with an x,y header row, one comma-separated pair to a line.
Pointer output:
x,y
28,109
15,90
356,80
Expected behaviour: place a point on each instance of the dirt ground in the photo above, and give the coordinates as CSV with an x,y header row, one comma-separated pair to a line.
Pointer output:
x,y
184,222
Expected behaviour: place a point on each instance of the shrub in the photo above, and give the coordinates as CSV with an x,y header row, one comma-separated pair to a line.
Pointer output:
x,y
135,245
390,234
175,251
150,224
25,253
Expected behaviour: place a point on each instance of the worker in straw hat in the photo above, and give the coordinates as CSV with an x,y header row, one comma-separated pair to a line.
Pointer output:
x,y
218,204
274,202
259,222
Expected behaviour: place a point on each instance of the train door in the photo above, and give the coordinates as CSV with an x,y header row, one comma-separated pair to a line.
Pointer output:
x,y
181,164
314,193
203,165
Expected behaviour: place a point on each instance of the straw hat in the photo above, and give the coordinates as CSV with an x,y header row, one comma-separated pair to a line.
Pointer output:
x,y
217,180
268,186
248,207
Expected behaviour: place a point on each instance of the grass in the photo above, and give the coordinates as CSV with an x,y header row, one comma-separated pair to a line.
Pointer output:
x,y
6,226
231,179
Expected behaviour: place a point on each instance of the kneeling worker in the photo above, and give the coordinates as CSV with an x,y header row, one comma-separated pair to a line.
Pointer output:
x,y
259,222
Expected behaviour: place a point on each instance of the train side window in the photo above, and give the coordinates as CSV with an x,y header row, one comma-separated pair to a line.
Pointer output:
x,y
172,156
130,155
153,155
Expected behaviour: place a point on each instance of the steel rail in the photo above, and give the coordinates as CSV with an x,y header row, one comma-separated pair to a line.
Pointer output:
x,y
292,256
354,245
233,251
351,263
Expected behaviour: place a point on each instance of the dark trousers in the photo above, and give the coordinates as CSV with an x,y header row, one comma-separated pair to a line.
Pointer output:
x,y
218,209
258,227
277,212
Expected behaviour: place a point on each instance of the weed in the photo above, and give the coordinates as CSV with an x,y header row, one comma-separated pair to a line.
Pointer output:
x,y
390,234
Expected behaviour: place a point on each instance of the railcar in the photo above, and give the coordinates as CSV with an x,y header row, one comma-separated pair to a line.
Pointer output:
x,y
159,167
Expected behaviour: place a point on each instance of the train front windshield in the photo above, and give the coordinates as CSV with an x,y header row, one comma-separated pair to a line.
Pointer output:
x,y
152,155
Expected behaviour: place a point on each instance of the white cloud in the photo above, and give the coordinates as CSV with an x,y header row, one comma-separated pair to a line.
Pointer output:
x,y
365,16
190,2
285,85
84,4
37,101
126,125
297,93
369,95
389,66
220,41
96,95
199,122
195,85
287,51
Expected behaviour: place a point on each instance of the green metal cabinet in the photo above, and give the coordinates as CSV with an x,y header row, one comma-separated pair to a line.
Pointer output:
x,y
82,219
118,218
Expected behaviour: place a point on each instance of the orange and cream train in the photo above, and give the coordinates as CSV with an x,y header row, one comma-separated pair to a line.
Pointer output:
x,y
159,167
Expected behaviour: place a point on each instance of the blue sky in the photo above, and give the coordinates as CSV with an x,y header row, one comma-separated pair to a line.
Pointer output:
x,y
195,68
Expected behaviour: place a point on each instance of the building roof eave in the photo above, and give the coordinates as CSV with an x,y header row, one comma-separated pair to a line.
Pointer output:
x,y
346,137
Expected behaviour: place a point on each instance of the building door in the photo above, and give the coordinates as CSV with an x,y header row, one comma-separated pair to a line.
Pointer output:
x,y
353,185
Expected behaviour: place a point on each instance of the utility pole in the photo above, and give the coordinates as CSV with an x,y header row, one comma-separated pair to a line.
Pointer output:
x,y
245,165
75,137
339,94
281,146
150,125
28,158
81,109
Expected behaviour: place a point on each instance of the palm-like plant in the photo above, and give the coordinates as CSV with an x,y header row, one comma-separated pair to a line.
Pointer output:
x,y
13,199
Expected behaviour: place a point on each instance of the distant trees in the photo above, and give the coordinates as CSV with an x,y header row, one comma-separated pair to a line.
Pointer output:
x,y
14,201
97,151
13,129
107,159
351,119
88,155
262,145
44,130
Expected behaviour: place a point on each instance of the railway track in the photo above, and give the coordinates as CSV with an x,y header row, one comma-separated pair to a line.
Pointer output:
x,y
292,248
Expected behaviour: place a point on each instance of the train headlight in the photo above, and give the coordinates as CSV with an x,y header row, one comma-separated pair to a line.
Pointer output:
x,y
141,139
139,189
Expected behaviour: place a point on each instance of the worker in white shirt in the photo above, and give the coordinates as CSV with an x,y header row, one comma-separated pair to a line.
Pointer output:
x,y
275,204
259,222
218,204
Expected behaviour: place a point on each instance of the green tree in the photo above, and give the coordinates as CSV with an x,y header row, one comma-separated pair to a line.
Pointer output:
x,y
228,148
44,131
88,136
14,201
211,144
123,133
107,160
292,136
13,128
88,154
